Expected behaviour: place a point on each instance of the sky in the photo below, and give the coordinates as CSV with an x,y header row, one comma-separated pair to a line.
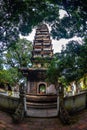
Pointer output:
x,y
57,44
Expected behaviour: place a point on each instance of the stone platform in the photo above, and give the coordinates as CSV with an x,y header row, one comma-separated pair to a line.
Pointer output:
x,y
42,112
41,105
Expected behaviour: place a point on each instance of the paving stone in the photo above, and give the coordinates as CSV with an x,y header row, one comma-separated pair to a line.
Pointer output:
x,y
43,123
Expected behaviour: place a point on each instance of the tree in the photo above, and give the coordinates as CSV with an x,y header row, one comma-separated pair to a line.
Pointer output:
x,y
70,63
83,57
9,76
19,17
1,61
74,23
71,70
52,72
19,54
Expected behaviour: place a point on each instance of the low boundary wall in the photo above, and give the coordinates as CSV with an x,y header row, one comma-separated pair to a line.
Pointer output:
x,y
8,103
76,102
72,103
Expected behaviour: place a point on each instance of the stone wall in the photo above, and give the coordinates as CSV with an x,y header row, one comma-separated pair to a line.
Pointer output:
x,y
72,103
8,103
76,102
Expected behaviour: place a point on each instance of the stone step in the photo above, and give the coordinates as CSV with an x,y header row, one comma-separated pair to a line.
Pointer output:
x,y
42,112
41,105
41,98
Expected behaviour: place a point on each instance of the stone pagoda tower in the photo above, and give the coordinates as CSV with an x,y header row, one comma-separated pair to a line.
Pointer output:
x,y
42,47
41,56
40,102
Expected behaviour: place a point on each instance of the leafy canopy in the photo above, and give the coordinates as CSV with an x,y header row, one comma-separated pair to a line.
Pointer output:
x,y
74,23
69,65
8,76
20,16
19,54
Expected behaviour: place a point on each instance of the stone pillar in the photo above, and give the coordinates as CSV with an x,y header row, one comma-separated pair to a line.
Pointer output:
x,y
63,113
57,104
21,109
28,86
23,97
57,101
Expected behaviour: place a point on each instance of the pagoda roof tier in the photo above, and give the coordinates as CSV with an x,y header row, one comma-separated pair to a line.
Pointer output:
x,y
34,74
32,69
42,30
41,59
45,34
42,56
42,51
46,40
42,46
42,43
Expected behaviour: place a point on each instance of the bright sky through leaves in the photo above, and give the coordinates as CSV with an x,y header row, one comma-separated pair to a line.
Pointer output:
x,y
57,44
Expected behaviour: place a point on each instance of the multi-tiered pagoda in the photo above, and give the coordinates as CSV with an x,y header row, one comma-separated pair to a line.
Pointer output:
x,y
40,102
42,47
41,56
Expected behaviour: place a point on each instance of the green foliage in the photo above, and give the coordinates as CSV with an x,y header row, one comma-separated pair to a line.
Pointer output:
x,y
74,23
1,61
83,57
69,65
44,61
52,73
20,16
19,54
70,57
8,76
